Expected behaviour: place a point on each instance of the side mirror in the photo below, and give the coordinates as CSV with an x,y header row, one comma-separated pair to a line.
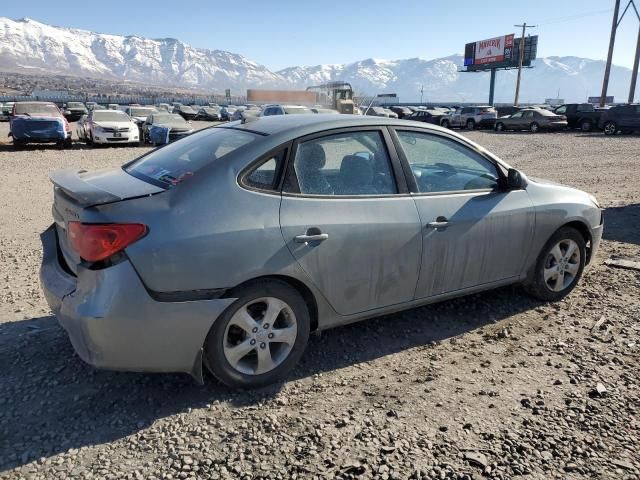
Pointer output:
x,y
515,180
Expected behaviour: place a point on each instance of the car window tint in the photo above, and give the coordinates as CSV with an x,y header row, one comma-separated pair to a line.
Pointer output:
x,y
443,165
561,110
263,175
354,163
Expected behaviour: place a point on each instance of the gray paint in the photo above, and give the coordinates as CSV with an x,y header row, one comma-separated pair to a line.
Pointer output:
x,y
210,233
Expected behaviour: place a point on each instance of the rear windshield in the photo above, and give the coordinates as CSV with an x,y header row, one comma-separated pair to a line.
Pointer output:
x,y
110,116
30,108
296,110
173,163
169,117
487,109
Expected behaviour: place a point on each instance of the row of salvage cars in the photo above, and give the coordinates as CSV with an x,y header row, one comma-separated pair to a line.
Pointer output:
x,y
44,122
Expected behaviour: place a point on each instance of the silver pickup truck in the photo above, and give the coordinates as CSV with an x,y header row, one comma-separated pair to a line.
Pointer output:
x,y
470,118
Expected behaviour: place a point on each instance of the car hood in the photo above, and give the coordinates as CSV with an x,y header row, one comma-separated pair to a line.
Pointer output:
x,y
112,124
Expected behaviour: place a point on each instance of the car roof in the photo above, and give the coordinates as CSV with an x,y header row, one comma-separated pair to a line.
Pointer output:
x,y
303,123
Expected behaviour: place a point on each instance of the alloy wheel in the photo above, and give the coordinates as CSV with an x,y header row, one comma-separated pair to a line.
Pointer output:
x,y
562,265
260,336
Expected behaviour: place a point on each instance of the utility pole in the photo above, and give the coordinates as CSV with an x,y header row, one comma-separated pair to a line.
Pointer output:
x,y
421,92
521,58
634,72
612,41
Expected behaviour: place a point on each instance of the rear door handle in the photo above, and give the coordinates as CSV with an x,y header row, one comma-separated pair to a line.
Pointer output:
x,y
320,237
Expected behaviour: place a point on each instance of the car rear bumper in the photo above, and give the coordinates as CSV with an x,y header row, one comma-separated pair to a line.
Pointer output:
x,y
113,322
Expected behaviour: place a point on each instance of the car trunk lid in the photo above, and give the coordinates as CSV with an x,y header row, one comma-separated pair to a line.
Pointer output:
x,y
76,191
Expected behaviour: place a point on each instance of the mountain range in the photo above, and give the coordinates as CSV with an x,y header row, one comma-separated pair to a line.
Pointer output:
x,y
27,45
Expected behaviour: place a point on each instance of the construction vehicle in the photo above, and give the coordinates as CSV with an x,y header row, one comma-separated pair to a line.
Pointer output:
x,y
336,95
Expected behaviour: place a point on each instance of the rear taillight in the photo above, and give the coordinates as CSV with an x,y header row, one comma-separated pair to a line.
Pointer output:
x,y
98,241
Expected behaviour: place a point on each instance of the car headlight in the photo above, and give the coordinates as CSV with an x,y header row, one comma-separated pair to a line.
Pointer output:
x,y
594,200
97,129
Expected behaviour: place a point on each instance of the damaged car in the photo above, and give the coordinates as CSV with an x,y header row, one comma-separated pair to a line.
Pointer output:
x,y
38,122
226,249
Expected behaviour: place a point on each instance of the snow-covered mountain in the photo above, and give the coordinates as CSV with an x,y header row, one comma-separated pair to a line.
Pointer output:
x,y
30,46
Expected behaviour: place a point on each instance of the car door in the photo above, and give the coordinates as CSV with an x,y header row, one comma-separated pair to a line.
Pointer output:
x,y
473,231
514,121
348,220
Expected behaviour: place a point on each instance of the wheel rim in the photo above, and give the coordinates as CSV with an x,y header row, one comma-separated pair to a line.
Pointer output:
x,y
500,127
534,127
586,126
260,336
562,265
610,128
470,125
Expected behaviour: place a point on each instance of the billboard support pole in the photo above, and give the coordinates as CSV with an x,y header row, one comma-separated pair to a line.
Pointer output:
x,y
492,86
634,72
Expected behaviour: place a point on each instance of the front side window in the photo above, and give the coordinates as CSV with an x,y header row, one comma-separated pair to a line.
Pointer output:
x,y
561,110
517,115
442,165
353,163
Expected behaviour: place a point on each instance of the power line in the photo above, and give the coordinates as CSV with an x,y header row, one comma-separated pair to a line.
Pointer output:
x,y
569,18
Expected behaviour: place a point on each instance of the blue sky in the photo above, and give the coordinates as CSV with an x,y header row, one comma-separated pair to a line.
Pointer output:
x,y
286,33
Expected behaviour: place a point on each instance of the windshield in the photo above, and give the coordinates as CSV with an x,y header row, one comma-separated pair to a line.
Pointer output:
x,y
173,163
172,118
31,108
110,116
141,112
75,105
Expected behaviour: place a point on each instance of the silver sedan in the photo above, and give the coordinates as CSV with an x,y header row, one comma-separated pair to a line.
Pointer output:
x,y
227,248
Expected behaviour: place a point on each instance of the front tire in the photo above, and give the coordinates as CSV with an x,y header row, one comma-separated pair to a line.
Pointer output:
x,y
260,337
500,127
445,124
586,126
610,128
471,124
534,127
559,266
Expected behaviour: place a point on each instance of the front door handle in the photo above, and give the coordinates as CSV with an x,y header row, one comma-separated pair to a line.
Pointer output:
x,y
313,235
441,222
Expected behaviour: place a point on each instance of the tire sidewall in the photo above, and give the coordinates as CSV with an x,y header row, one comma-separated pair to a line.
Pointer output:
x,y
500,127
471,124
538,284
214,352
612,125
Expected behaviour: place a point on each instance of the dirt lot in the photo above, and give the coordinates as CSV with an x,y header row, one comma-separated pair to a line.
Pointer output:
x,y
493,385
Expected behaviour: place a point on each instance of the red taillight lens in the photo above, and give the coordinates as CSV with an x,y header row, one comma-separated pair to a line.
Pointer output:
x,y
95,242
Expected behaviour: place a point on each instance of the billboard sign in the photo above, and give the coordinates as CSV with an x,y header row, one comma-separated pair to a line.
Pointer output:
x,y
491,50
499,52
596,100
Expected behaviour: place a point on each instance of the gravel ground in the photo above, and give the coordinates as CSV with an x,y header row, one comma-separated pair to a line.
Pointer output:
x,y
493,385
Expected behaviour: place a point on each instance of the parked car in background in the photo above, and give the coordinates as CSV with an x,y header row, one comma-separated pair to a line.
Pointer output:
x,y
471,117
324,110
38,122
73,111
244,112
113,106
211,114
580,115
206,253
390,113
107,127
532,119
620,119
376,112
401,112
507,110
174,125
6,110
139,114
428,116
226,112
187,112
164,107
284,110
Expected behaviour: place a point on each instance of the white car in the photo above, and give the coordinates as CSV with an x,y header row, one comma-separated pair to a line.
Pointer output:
x,y
107,126
140,114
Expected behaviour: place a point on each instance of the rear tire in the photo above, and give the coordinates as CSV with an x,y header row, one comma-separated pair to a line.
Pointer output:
x,y
558,270
471,124
250,324
499,127
445,124
586,125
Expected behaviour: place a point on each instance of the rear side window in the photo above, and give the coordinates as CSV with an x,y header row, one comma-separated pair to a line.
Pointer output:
x,y
170,165
264,175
